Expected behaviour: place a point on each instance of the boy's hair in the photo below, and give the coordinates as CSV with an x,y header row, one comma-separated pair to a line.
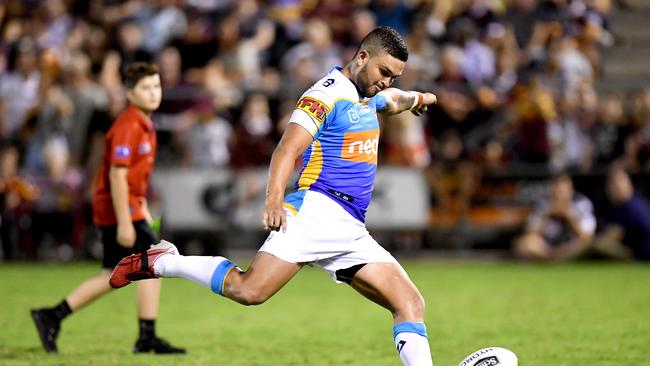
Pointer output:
x,y
136,71
385,39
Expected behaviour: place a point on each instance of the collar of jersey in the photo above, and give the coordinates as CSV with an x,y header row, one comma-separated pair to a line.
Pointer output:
x,y
144,121
337,69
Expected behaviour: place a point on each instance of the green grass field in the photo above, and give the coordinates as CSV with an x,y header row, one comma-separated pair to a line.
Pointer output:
x,y
573,315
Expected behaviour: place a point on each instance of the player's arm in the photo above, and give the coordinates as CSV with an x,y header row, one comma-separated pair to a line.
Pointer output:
x,y
120,197
294,142
398,101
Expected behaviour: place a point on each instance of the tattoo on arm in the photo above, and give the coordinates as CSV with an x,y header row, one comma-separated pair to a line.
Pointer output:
x,y
405,101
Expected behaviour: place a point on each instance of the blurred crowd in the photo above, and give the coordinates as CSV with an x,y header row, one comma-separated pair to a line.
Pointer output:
x,y
515,79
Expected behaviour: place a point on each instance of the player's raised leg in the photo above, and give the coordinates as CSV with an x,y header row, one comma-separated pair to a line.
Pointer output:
x,y
265,276
388,285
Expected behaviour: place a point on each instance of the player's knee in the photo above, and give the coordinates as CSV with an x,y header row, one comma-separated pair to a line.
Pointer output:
x,y
411,309
418,306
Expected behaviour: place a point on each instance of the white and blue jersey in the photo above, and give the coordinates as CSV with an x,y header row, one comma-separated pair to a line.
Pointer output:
x,y
342,161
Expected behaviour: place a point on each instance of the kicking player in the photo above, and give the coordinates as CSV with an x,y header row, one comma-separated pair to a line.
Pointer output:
x,y
334,126
120,211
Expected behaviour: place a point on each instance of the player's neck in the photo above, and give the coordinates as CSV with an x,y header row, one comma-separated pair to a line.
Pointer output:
x,y
347,72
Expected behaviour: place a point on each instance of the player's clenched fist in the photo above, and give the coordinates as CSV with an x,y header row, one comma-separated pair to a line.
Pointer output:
x,y
274,217
422,101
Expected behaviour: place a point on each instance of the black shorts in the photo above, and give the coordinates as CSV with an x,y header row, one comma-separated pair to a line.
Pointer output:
x,y
114,252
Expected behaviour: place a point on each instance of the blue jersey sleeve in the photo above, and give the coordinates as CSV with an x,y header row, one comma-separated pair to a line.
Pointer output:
x,y
379,102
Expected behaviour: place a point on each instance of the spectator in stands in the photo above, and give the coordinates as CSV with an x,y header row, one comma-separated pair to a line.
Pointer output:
x,y
53,24
521,17
452,176
405,141
130,42
15,195
206,140
424,67
591,29
625,231
571,145
533,110
573,67
164,22
391,13
257,34
609,131
178,94
560,228
19,88
479,61
59,199
637,143
252,143
317,54
505,76
89,100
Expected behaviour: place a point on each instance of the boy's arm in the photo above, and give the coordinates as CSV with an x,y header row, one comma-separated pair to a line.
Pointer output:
x,y
120,198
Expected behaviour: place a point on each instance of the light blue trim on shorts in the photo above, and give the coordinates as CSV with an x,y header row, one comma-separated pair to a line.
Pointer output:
x,y
218,276
410,327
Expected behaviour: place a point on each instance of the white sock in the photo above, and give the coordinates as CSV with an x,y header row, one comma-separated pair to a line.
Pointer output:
x,y
199,269
412,344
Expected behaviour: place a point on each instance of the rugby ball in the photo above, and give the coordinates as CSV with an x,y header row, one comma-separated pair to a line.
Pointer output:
x,y
491,356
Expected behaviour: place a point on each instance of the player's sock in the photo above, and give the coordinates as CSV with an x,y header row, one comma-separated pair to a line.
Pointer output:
x,y
412,343
208,272
62,310
147,328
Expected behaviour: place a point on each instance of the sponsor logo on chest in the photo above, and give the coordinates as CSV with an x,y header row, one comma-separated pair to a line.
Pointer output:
x,y
361,146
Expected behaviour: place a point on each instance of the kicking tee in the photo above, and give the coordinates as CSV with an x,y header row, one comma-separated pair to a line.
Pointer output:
x,y
342,161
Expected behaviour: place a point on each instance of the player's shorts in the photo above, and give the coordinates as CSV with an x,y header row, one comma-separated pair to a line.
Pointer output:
x,y
114,252
324,234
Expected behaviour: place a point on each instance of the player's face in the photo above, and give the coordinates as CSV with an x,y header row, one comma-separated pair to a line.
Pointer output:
x,y
146,94
377,73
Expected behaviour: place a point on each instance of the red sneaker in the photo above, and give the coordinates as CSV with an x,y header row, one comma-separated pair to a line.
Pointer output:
x,y
135,268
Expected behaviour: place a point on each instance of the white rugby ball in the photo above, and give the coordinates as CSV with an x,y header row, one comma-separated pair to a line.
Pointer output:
x,y
491,356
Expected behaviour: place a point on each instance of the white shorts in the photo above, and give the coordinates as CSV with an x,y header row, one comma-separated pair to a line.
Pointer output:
x,y
325,235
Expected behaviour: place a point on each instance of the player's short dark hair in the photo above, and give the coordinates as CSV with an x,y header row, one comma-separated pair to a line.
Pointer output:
x,y
385,39
138,70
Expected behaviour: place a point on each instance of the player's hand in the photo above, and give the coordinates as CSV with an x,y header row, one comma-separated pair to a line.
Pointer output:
x,y
126,235
427,99
274,216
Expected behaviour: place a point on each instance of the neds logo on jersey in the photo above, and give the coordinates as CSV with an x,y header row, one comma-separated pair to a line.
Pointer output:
x,y
314,108
361,146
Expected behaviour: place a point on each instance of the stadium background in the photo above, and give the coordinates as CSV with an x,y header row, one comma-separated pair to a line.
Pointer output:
x,y
526,88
